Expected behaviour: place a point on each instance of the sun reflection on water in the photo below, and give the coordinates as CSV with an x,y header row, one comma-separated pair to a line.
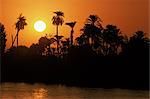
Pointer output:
x,y
40,93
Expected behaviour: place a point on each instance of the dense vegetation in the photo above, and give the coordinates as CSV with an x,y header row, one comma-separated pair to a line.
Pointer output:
x,y
99,57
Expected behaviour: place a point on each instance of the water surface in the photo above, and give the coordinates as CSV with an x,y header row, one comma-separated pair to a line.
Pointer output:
x,y
41,91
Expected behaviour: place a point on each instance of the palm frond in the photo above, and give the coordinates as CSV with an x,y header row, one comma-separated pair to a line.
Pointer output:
x,y
59,13
71,24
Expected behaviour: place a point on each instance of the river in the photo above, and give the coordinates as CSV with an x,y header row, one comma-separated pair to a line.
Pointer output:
x,y
42,91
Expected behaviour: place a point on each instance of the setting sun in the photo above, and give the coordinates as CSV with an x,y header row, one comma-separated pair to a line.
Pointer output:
x,y
39,26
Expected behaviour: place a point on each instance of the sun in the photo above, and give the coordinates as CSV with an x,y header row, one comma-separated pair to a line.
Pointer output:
x,y
39,26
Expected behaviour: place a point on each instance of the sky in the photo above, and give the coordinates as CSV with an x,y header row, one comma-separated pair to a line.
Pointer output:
x,y
128,15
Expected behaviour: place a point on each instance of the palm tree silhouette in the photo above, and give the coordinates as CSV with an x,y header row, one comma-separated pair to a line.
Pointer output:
x,y
112,39
139,35
71,24
92,28
92,33
94,20
19,26
138,39
58,20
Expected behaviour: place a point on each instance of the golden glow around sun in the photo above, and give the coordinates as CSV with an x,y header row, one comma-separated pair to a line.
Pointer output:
x,y
39,26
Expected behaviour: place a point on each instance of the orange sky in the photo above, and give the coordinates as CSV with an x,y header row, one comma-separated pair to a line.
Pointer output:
x,y
128,15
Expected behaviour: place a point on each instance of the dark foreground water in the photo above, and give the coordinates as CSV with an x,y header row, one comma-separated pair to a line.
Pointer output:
x,y
41,91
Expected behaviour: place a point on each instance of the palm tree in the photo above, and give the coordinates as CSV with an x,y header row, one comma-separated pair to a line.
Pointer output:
x,y
92,28
138,39
58,20
139,35
92,33
19,26
71,24
112,39
94,20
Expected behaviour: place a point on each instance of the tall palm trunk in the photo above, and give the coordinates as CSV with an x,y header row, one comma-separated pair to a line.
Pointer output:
x,y
57,39
15,38
71,37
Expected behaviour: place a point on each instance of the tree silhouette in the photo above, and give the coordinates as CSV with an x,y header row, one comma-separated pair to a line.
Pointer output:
x,y
138,36
94,20
58,20
71,24
19,26
44,44
112,40
137,44
91,33
92,29
81,40
2,39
